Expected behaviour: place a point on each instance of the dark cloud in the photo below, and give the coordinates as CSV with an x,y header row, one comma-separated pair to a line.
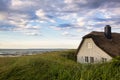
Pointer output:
x,y
100,19
50,16
91,4
65,25
4,5
6,26
95,4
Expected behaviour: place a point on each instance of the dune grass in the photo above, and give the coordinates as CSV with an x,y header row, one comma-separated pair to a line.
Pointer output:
x,y
58,65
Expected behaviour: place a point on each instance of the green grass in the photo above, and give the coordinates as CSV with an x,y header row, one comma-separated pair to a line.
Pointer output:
x,y
60,65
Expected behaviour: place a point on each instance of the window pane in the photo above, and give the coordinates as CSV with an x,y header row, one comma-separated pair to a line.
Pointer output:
x,y
92,59
86,59
104,59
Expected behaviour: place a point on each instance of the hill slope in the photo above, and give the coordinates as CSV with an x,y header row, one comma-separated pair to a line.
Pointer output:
x,y
56,66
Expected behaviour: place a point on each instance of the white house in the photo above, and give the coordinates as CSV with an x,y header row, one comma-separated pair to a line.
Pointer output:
x,y
99,46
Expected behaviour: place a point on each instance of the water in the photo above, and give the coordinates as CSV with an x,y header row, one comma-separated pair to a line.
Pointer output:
x,y
22,52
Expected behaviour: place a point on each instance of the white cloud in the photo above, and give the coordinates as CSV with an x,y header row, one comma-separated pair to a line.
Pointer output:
x,y
72,16
55,28
41,14
16,2
75,1
68,1
69,35
32,30
65,33
80,22
20,4
79,30
3,16
18,20
79,13
32,33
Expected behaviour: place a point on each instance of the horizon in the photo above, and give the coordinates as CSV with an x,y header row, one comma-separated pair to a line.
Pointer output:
x,y
54,24
31,48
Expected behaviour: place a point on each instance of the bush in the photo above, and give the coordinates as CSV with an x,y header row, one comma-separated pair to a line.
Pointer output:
x,y
116,61
70,54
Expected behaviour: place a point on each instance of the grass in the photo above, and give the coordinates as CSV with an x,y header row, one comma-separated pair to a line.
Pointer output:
x,y
60,65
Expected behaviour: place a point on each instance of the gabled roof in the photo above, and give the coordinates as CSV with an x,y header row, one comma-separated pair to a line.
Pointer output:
x,y
110,46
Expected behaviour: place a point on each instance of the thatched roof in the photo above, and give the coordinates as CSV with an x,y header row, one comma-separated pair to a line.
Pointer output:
x,y
110,46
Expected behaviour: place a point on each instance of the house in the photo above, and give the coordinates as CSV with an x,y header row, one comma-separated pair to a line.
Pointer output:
x,y
99,46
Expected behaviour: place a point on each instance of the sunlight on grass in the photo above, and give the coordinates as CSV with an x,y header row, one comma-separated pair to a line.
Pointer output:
x,y
57,65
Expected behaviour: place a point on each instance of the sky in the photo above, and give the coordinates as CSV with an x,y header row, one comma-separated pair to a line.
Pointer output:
x,y
54,23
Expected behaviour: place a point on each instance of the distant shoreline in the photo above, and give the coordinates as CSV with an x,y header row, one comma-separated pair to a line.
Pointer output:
x,y
24,52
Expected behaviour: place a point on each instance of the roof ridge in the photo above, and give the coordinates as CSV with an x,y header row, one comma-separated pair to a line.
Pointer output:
x,y
111,46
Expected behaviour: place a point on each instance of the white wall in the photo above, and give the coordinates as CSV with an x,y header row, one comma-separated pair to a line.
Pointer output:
x,y
90,49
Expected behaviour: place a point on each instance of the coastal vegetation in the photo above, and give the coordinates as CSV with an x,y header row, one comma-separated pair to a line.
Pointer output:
x,y
56,65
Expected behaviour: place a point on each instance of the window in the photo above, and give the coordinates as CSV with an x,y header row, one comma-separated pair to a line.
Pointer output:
x,y
104,59
86,59
89,45
91,59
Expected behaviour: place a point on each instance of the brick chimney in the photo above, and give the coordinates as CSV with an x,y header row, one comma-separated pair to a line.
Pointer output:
x,y
107,32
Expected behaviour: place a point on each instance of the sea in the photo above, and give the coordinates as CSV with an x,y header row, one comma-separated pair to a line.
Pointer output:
x,y
23,52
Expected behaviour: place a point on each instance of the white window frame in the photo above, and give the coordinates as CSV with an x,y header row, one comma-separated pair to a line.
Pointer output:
x,y
89,45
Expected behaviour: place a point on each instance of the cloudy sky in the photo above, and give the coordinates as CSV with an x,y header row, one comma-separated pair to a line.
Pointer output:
x,y
54,23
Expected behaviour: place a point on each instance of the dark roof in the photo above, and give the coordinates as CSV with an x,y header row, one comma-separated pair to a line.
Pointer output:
x,y
110,46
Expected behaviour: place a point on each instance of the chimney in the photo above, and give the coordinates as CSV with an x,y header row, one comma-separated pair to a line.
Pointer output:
x,y
107,32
